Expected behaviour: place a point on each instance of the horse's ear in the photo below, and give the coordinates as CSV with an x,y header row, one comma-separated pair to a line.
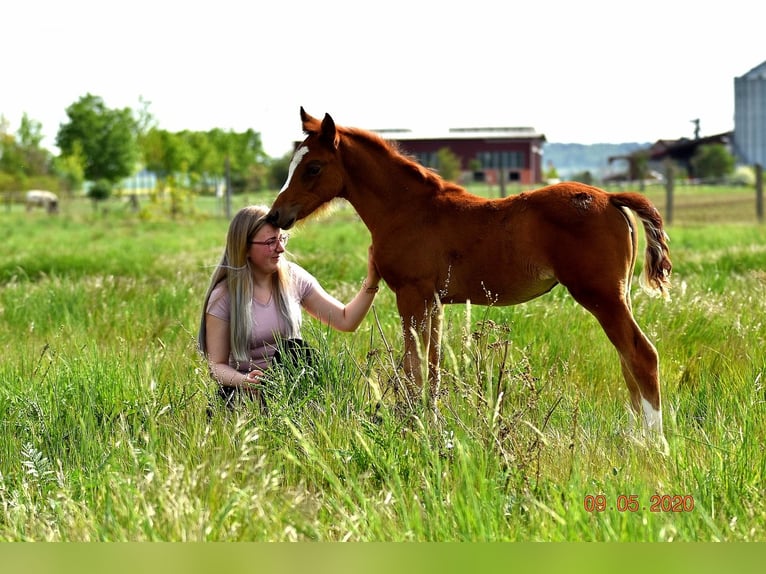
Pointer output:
x,y
329,134
311,125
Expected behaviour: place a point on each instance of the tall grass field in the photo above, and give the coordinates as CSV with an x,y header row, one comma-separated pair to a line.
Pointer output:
x,y
111,429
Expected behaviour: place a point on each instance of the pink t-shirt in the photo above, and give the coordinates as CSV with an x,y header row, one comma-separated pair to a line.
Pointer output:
x,y
267,323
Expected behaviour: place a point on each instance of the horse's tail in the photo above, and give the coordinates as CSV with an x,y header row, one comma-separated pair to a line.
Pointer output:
x,y
655,279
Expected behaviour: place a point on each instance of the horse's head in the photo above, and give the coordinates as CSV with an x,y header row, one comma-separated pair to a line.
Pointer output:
x,y
314,177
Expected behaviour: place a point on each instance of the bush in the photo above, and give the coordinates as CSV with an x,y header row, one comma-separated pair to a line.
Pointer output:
x,y
100,191
9,182
743,175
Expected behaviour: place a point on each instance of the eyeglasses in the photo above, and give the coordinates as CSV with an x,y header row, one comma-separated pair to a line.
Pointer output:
x,y
272,243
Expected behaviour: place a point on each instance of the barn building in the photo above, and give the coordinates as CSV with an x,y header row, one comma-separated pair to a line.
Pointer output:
x,y
493,155
682,151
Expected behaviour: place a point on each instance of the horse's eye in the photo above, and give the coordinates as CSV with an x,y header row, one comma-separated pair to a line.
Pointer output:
x,y
313,169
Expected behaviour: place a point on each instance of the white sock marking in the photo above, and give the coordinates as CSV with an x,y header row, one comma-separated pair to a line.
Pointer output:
x,y
652,417
297,157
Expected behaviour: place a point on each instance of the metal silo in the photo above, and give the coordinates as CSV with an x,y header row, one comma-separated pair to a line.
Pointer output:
x,y
750,116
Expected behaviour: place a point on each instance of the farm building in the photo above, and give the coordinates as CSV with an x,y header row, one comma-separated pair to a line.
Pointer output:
x,y
485,154
750,116
747,142
682,150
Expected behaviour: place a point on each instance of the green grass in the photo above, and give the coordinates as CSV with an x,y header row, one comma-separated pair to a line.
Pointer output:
x,y
104,401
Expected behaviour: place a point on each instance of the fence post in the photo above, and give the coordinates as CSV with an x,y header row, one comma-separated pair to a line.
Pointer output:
x,y
759,192
669,176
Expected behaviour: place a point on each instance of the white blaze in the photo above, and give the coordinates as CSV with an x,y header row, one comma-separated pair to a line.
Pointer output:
x,y
297,157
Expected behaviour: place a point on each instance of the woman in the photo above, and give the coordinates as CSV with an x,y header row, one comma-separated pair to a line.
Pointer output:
x,y
253,304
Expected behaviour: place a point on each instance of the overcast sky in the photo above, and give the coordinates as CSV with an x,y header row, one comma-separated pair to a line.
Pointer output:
x,y
582,71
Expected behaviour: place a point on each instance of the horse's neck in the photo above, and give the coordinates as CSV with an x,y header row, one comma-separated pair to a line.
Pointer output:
x,y
379,183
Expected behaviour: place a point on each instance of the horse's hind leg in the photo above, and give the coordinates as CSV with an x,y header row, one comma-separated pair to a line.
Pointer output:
x,y
652,417
638,357
633,388
640,365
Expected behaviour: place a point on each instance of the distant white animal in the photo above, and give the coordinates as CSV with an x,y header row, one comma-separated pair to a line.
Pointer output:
x,y
45,199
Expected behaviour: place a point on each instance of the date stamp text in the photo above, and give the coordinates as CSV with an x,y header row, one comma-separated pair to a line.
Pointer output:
x,y
631,503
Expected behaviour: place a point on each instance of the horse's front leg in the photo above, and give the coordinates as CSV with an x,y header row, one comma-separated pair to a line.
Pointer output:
x,y
418,324
434,348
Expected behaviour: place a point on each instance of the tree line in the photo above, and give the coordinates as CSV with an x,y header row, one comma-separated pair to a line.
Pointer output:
x,y
102,146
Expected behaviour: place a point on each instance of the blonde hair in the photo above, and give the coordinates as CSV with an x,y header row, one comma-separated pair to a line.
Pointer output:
x,y
236,270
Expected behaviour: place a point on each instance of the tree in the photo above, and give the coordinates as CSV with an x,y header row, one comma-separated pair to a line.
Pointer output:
x,y
247,160
10,161
24,163
169,155
206,165
70,169
640,166
585,177
551,173
201,156
449,164
37,160
22,155
166,153
107,139
712,161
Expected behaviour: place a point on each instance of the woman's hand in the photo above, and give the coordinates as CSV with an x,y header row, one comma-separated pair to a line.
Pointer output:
x,y
252,380
373,277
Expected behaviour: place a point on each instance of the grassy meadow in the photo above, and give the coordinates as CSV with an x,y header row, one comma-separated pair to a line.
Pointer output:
x,y
111,430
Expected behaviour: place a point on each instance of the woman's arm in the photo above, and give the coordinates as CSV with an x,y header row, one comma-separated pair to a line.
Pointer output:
x,y
217,342
332,312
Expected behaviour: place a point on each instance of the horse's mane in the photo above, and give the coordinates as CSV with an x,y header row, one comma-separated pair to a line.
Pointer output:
x,y
407,162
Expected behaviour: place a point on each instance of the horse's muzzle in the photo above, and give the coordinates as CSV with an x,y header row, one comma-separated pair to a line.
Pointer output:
x,y
277,219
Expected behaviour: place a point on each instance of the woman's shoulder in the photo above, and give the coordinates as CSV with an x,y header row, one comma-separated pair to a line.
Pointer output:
x,y
218,303
303,281
220,290
296,271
